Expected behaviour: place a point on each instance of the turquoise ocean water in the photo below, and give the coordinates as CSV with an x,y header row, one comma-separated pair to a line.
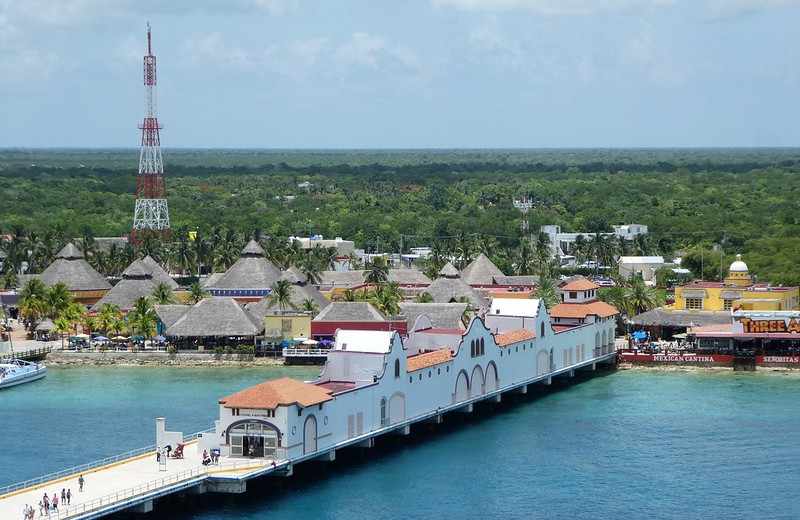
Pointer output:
x,y
629,444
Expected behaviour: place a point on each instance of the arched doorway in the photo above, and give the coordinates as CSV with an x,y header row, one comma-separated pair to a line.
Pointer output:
x,y
462,388
253,438
542,363
491,383
397,408
476,382
604,342
310,435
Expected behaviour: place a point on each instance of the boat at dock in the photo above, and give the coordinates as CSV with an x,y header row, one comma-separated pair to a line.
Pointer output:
x,y
17,372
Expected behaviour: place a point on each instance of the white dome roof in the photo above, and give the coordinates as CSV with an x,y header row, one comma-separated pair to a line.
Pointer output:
x,y
738,266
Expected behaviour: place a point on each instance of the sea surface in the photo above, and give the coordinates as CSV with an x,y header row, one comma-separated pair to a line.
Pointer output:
x,y
630,444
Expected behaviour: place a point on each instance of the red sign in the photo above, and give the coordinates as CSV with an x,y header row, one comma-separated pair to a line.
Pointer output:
x,y
789,360
677,359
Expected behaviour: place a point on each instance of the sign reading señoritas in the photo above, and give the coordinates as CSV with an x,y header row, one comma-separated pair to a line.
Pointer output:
x,y
760,322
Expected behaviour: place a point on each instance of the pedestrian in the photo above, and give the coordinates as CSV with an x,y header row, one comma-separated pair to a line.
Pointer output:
x,y
80,483
41,508
69,496
46,501
55,502
63,495
158,455
169,449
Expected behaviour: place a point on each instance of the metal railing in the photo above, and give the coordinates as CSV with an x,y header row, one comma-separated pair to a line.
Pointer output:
x,y
90,465
288,352
153,485
26,354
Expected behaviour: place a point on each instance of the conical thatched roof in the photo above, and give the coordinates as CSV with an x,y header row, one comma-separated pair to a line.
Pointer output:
x,y
350,311
408,277
481,271
298,294
298,273
215,317
70,252
251,271
137,269
169,314
71,269
449,271
158,273
253,248
442,315
126,292
447,290
290,277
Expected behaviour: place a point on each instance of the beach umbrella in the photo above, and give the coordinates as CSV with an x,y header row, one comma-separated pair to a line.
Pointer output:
x,y
101,338
119,338
160,338
310,342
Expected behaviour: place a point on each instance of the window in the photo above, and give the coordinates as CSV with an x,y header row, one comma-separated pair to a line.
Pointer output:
x,y
483,347
727,304
429,374
694,303
573,295
410,379
286,326
420,376
396,368
472,348
384,422
541,329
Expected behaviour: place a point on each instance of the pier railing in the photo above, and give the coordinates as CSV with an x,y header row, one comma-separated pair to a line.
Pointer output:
x,y
153,485
83,468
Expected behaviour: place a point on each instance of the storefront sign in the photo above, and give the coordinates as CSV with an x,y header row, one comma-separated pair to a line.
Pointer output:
x,y
678,359
778,359
751,326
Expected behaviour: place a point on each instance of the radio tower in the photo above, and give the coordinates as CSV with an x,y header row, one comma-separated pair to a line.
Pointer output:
x,y
151,213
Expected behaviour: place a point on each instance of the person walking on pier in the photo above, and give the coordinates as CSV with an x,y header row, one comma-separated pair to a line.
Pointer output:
x,y
69,496
41,508
80,483
63,496
46,501
55,502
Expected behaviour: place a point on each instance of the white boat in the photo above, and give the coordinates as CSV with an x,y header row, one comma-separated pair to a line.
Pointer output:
x,y
18,371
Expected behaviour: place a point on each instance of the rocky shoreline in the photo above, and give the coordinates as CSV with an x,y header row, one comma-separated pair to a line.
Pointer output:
x,y
150,359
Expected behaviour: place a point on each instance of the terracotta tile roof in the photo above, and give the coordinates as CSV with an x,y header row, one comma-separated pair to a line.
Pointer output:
x,y
581,310
513,336
429,359
270,394
580,284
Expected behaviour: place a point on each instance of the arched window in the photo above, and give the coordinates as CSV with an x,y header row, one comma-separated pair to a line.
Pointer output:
x,y
541,328
483,347
472,348
396,368
383,412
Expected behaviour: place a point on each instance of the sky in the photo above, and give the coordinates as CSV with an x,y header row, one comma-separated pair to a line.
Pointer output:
x,y
403,73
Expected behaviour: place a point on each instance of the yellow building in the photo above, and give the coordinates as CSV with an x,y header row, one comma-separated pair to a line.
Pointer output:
x,y
736,291
287,325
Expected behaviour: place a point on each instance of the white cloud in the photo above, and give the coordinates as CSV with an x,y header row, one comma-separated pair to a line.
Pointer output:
x,y
733,8
552,7
362,49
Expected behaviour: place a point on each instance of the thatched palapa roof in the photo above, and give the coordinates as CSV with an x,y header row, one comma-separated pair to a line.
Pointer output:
x,y
442,315
350,311
251,271
408,277
72,269
138,281
169,314
680,318
215,317
480,271
298,294
448,289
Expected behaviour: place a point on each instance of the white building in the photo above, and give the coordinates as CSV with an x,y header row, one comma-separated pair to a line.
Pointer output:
x,y
374,381
646,266
562,243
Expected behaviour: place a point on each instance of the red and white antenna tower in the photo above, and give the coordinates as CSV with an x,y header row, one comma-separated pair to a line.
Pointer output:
x,y
151,212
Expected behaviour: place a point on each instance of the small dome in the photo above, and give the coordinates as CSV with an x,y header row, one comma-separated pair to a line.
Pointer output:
x,y
738,266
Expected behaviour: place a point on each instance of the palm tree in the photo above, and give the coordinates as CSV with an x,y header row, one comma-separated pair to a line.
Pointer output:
x,y
377,271
546,291
108,317
310,267
281,295
32,301
57,299
349,295
142,317
639,297
386,298
310,306
74,314
162,294
196,292
63,326
424,297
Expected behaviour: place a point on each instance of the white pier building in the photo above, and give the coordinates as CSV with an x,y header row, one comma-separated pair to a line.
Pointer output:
x,y
373,383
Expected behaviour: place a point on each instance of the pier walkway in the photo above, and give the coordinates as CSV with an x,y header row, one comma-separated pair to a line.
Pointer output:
x,y
133,481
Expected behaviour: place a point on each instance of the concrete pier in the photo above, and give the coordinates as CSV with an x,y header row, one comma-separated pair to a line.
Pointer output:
x,y
135,483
